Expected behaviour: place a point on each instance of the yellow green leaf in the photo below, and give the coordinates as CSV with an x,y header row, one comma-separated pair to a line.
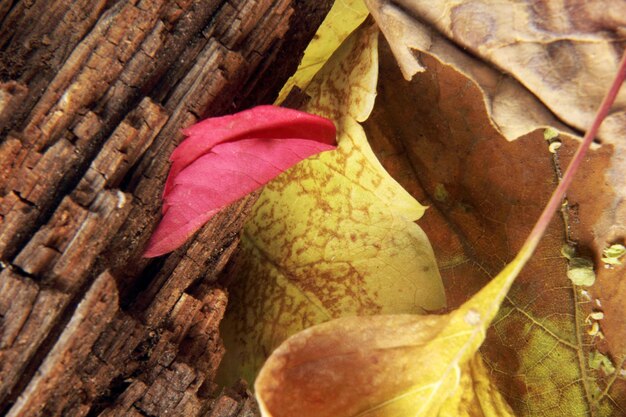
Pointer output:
x,y
478,395
386,366
342,19
579,270
331,237
550,133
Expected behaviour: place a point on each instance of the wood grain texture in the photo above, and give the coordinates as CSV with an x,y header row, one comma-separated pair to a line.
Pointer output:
x,y
93,97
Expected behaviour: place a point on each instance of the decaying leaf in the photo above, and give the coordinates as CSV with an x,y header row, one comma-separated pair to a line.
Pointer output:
x,y
434,133
562,53
512,109
579,269
225,158
334,236
566,54
400,365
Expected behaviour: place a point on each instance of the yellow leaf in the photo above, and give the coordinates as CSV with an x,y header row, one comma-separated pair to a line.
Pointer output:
x,y
478,396
342,19
386,366
331,237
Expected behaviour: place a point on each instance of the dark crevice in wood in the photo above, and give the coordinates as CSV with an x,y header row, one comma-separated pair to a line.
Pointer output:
x,y
129,291
117,386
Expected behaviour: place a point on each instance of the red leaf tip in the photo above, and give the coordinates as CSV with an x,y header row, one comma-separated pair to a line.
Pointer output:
x,y
225,158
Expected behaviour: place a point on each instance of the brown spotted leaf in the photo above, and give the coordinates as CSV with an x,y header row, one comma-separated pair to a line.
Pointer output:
x,y
558,58
434,134
334,236
390,365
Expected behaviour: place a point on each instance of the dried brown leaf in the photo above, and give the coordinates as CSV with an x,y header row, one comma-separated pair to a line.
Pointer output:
x,y
433,134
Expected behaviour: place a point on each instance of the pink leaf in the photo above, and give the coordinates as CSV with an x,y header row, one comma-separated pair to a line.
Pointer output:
x,y
225,158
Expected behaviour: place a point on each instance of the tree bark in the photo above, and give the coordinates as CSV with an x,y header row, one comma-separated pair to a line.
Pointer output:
x,y
93,98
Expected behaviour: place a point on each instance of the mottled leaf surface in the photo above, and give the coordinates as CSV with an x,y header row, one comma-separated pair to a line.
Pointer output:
x,y
565,54
433,134
388,366
559,58
334,236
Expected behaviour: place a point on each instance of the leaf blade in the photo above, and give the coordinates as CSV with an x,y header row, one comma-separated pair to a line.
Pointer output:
x,y
450,350
225,158
348,242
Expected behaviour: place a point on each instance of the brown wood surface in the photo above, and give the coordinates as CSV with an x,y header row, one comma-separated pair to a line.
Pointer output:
x,y
93,96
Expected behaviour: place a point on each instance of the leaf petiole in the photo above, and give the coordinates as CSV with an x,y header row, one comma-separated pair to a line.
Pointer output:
x,y
557,196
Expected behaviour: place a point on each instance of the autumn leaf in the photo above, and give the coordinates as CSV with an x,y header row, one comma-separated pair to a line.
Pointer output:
x,y
477,395
331,237
485,192
564,55
386,365
399,365
613,253
225,158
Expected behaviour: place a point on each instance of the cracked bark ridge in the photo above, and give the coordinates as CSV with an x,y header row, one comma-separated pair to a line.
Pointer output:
x,y
93,96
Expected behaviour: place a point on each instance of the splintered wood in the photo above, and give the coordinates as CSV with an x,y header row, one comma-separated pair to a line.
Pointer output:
x,y
93,97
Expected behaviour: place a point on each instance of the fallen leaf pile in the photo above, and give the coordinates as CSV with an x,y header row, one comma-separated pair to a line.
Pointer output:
x,y
475,151
340,305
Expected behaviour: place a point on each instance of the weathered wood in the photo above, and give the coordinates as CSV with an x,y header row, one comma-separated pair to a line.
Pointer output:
x,y
93,97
